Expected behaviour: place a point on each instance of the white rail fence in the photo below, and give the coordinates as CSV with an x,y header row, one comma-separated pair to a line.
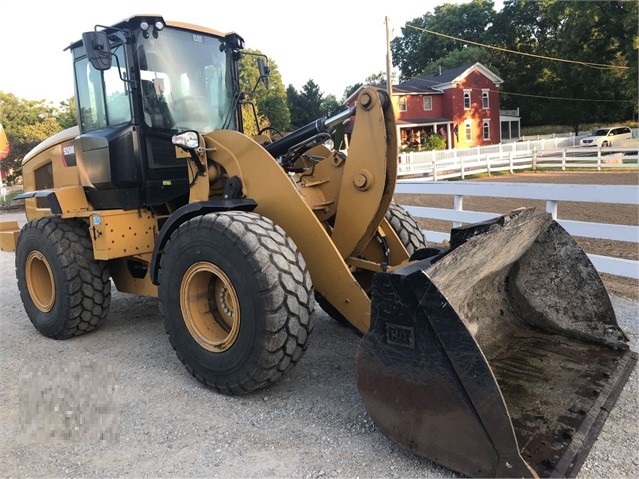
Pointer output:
x,y
552,194
511,157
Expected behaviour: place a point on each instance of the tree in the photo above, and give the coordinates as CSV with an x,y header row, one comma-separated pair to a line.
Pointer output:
x,y
349,90
416,50
26,123
305,106
569,92
464,56
330,106
66,116
270,104
376,79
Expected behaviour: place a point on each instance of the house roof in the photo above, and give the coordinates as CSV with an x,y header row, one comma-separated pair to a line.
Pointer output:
x,y
445,79
415,87
424,121
436,83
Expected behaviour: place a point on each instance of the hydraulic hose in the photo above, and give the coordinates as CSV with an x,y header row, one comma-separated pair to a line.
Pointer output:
x,y
283,145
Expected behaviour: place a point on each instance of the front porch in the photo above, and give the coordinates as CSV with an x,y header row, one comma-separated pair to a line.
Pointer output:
x,y
413,135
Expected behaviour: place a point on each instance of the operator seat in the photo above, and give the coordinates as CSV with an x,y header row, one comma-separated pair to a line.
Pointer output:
x,y
156,111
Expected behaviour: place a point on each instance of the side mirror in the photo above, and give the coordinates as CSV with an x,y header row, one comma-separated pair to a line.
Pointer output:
x,y
265,71
98,49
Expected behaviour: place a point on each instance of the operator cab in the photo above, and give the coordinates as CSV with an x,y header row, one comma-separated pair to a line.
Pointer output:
x,y
138,83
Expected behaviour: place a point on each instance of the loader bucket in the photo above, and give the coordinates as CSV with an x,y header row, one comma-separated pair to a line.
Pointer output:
x,y
501,358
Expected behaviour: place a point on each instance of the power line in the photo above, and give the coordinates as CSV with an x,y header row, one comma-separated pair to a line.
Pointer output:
x,y
501,92
563,98
599,66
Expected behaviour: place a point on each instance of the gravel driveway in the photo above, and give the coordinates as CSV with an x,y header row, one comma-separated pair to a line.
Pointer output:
x,y
132,409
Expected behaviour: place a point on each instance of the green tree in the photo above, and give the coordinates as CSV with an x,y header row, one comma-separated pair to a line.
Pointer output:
x,y
294,103
26,123
570,93
349,90
464,56
330,106
416,50
305,106
67,116
376,79
270,104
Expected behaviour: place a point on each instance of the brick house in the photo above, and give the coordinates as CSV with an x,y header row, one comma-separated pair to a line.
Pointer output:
x,y
460,104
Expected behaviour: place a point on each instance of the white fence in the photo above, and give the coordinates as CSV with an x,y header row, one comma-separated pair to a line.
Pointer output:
x,y
542,154
552,194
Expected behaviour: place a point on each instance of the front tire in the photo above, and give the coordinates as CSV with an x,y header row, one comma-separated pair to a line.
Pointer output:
x,y
65,292
237,300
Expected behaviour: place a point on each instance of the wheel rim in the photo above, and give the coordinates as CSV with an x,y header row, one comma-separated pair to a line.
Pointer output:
x,y
210,307
40,282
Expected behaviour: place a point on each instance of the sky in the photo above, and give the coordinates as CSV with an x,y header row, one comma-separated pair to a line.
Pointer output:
x,y
336,43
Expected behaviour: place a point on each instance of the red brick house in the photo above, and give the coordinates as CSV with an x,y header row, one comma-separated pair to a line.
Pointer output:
x,y
460,104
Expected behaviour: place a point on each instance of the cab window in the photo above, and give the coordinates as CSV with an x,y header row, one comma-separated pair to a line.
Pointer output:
x,y
103,98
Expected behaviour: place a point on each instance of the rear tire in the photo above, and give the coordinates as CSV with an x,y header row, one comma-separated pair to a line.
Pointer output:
x,y
237,300
409,233
406,228
65,292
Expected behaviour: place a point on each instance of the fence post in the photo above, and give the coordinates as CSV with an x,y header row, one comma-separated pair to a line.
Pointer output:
x,y
434,169
458,205
598,159
461,165
534,159
510,161
551,207
563,160
488,163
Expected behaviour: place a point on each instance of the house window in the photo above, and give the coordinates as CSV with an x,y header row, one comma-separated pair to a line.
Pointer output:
x,y
401,103
428,103
467,99
468,132
484,99
486,129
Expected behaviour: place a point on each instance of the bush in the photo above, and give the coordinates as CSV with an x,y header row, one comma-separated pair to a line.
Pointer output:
x,y
435,142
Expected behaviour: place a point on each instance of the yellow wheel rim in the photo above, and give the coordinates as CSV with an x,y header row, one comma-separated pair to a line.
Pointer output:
x,y
40,282
210,307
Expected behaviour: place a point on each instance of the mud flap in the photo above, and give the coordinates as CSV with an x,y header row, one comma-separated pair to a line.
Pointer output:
x,y
500,359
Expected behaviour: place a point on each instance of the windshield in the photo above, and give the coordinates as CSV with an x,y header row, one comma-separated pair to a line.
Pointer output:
x,y
186,81
602,132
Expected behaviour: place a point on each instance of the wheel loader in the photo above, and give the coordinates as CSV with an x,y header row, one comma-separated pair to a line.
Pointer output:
x,y
498,355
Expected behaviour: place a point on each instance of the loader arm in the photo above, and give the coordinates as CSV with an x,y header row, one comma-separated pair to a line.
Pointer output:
x,y
362,184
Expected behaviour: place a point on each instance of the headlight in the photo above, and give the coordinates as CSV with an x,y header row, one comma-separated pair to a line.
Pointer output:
x,y
189,140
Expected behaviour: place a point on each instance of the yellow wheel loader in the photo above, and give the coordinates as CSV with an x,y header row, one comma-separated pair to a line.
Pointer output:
x,y
497,356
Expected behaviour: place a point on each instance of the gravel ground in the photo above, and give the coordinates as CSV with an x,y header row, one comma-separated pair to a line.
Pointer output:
x,y
118,403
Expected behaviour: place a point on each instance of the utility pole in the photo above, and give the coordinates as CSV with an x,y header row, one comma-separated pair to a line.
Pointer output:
x,y
389,62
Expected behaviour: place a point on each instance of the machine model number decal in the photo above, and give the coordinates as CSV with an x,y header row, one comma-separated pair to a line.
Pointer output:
x,y
68,154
